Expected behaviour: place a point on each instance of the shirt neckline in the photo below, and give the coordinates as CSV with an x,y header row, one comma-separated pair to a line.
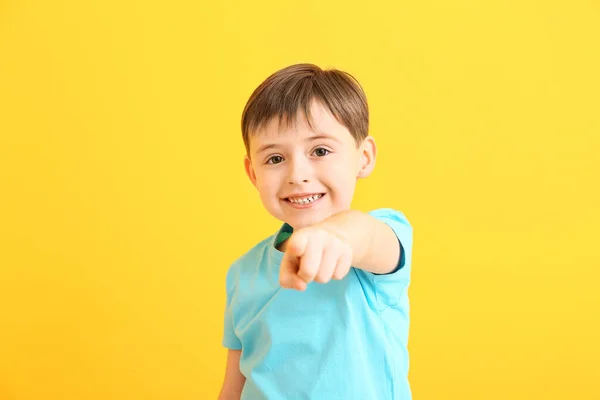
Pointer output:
x,y
276,254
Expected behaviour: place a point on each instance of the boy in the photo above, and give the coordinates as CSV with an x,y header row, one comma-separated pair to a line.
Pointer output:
x,y
320,309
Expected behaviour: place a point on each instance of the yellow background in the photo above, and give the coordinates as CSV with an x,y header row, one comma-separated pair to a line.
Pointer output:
x,y
123,198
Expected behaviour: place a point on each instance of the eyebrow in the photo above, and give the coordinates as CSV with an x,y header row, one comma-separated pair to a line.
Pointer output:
x,y
265,147
322,136
309,139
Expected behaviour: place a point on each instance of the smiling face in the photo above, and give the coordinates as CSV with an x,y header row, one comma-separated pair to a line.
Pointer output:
x,y
305,175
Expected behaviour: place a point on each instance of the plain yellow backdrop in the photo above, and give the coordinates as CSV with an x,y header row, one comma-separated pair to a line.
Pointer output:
x,y
123,198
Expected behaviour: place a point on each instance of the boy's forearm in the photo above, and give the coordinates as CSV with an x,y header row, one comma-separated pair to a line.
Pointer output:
x,y
375,246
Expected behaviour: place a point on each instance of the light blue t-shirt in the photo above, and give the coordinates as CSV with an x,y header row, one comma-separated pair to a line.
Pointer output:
x,y
344,340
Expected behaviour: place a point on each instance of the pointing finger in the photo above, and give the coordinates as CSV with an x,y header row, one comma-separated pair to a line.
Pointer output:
x,y
329,260
310,260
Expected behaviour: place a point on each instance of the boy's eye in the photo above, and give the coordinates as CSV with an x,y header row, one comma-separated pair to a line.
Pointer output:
x,y
275,160
321,152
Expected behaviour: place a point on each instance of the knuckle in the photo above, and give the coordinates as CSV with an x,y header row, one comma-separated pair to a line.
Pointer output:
x,y
306,273
323,276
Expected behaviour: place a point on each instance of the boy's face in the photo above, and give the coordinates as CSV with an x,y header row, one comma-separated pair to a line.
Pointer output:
x,y
304,176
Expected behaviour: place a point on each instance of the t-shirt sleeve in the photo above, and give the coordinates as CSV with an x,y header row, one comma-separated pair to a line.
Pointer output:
x,y
230,339
387,290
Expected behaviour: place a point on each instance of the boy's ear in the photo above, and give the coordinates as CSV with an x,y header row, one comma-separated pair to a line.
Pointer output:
x,y
249,170
368,152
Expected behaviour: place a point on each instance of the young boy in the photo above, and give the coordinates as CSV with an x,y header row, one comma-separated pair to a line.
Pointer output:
x,y
320,309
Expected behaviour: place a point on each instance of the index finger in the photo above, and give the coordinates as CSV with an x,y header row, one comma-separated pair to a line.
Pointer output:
x,y
310,260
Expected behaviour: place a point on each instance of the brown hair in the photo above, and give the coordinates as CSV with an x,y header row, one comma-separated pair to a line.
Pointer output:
x,y
294,88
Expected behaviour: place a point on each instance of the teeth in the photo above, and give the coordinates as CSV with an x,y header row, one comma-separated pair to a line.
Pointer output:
x,y
304,200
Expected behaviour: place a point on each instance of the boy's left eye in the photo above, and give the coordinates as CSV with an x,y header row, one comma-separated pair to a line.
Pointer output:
x,y
321,152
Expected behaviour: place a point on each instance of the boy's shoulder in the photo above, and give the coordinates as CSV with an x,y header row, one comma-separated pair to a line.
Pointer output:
x,y
254,257
386,212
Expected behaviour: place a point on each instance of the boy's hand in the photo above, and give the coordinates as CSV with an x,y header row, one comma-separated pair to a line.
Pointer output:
x,y
317,253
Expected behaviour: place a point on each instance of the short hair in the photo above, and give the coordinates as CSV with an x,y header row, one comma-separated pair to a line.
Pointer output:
x,y
294,88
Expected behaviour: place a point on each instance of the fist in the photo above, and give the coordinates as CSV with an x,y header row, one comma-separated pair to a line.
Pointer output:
x,y
316,253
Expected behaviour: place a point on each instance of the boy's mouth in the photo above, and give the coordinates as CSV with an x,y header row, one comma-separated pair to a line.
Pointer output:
x,y
304,198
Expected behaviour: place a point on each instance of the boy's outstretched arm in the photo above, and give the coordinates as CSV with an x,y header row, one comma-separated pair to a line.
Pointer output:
x,y
234,380
328,249
374,244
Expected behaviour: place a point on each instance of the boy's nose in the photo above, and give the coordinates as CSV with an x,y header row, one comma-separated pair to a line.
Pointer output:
x,y
292,182
298,172
297,176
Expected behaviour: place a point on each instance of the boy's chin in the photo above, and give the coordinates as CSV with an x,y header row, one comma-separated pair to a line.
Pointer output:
x,y
306,221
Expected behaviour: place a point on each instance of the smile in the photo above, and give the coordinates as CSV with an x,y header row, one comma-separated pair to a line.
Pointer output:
x,y
305,199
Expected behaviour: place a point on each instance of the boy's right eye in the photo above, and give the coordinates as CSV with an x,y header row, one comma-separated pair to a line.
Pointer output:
x,y
275,160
